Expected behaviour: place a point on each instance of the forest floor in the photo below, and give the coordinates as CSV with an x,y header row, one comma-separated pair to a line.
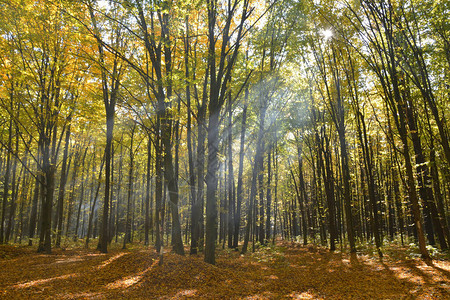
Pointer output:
x,y
285,271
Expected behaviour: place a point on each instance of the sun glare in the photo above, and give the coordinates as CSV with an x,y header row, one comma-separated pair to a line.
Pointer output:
x,y
327,33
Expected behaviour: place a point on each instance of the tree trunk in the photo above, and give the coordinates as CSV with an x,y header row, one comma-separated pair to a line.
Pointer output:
x,y
83,180
34,207
147,192
329,188
94,203
260,222
14,191
158,188
127,237
231,195
269,196
197,206
172,185
239,192
70,200
302,195
62,184
211,184
47,188
6,185
103,239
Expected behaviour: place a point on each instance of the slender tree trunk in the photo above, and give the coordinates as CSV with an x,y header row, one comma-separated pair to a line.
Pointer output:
x,y
62,184
118,190
127,238
302,195
172,185
94,203
147,192
26,194
231,195
48,187
34,207
112,199
6,184
239,192
269,196
261,233
80,204
103,239
70,200
158,189
302,210
195,207
211,185
275,213
329,189
14,191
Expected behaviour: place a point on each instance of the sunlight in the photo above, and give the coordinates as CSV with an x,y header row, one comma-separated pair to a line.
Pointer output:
x,y
103,4
254,297
107,262
68,260
185,293
304,295
42,281
124,283
327,34
84,295
131,280
290,136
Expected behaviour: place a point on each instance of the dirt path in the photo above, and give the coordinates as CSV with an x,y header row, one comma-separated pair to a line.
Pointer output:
x,y
285,272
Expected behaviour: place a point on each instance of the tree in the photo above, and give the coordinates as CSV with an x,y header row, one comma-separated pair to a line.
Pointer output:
x,y
110,93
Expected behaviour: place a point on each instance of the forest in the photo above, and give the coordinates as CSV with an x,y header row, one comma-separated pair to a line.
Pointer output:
x,y
194,129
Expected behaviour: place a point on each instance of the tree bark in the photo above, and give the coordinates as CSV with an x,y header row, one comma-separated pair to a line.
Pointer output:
x,y
62,185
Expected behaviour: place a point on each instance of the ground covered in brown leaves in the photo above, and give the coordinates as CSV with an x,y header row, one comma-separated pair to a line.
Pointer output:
x,y
287,271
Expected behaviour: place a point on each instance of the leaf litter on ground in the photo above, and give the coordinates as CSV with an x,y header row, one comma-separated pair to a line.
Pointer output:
x,y
285,271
